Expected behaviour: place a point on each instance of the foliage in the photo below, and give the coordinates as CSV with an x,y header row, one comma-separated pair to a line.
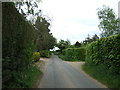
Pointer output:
x,y
63,45
36,56
52,41
44,39
105,51
108,22
102,75
63,57
68,42
19,41
57,52
45,53
52,52
95,38
89,39
25,79
75,53
28,8
72,46
77,44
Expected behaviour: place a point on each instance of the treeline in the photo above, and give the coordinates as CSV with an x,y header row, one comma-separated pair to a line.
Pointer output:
x,y
75,52
20,39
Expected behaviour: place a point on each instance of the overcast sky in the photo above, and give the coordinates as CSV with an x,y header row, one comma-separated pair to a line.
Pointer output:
x,y
75,19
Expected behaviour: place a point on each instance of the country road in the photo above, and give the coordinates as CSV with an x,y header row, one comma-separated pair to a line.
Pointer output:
x,y
59,74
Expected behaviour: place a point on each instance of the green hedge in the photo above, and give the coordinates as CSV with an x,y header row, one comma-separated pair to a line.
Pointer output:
x,y
18,37
105,51
76,53
45,53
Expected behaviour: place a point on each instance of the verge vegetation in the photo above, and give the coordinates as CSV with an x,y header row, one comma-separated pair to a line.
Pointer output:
x,y
22,42
103,60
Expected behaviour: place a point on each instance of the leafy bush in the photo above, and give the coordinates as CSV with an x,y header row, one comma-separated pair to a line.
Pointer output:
x,y
76,53
36,56
45,53
25,79
56,53
105,51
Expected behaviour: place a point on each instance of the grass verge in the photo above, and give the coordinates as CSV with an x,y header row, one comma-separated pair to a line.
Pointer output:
x,y
33,75
27,78
103,76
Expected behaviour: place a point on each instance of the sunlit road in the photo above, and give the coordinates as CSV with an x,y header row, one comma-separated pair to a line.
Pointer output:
x,y
61,75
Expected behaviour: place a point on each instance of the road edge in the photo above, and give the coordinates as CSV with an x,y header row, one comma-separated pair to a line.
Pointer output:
x,y
87,75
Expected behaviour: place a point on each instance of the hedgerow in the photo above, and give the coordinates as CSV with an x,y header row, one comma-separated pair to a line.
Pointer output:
x,y
75,53
45,53
106,52
18,37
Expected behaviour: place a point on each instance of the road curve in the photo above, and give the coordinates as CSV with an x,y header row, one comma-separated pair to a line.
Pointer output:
x,y
59,74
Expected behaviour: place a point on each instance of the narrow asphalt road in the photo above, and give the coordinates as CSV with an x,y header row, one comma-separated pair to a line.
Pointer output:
x,y
62,75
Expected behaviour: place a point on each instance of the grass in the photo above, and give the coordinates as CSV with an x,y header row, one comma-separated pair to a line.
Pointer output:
x,y
33,75
102,75
26,79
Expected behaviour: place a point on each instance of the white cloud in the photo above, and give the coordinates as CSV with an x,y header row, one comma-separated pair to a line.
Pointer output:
x,y
75,19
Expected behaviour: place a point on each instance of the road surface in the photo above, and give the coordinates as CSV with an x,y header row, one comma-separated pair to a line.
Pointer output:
x,y
59,74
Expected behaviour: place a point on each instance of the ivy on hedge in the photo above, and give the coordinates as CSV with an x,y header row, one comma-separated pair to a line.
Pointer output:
x,y
105,51
75,53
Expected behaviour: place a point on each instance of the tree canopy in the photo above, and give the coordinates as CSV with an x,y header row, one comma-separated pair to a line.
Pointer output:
x,y
63,44
44,39
108,21
77,44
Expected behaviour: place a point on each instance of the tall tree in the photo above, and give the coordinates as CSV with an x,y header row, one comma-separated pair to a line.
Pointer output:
x,y
29,9
87,40
77,44
52,41
62,45
68,42
95,37
45,39
108,21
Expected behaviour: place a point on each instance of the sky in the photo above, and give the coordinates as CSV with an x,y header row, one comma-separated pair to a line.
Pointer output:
x,y
75,19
